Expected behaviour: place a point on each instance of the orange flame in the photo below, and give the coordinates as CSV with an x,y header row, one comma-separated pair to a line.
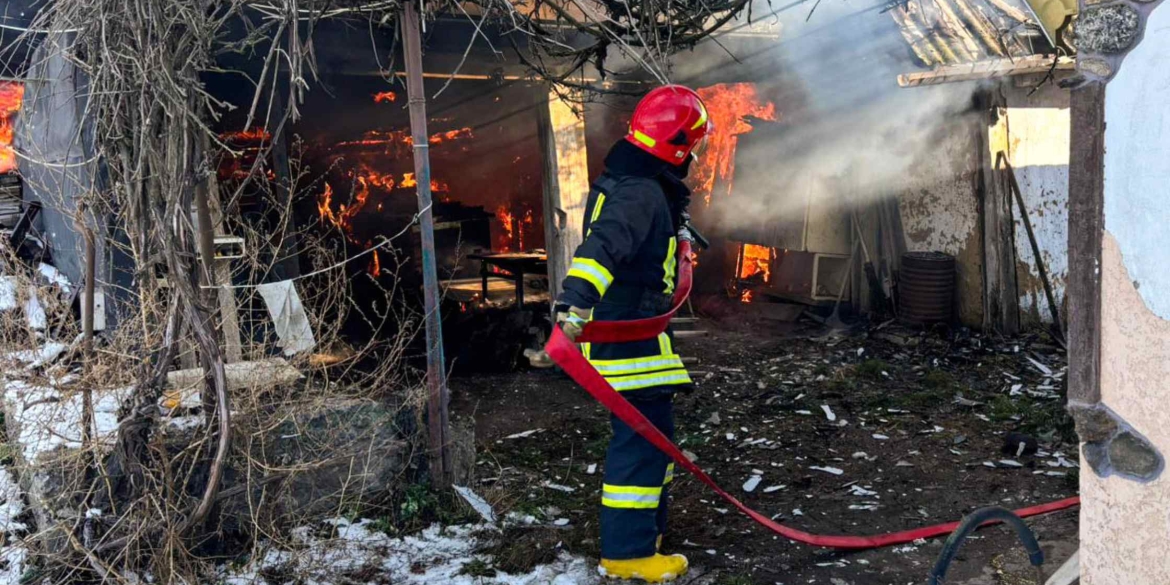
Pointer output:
x,y
392,138
253,135
757,260
11,97
385,96
437,186
508,222
745,297
727,105
345,214
375,266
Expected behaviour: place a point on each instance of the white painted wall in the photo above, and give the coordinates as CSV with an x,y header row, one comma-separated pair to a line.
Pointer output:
x,y
1037,135
1137,162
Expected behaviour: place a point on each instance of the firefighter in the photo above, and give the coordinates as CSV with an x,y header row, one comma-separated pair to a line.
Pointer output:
x,y
626,269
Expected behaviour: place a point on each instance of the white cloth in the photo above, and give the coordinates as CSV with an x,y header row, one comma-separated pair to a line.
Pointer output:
x,y
288,316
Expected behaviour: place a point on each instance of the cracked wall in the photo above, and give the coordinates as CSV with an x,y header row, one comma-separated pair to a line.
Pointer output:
x,y
1125,516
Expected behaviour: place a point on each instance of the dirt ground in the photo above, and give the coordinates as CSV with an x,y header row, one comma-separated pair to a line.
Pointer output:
x,y
921,422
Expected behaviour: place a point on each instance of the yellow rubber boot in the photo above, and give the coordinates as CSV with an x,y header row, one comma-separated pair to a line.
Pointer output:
x,y
656,569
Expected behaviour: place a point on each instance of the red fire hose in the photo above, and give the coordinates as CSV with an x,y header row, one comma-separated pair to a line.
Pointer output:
x,y
569,358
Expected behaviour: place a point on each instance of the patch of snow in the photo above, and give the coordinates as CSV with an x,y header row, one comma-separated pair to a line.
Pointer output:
x,y
13,554
49,418
435,555
35,358
55,277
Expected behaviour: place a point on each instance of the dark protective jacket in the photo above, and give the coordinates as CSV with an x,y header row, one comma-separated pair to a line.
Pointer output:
x,y
626,268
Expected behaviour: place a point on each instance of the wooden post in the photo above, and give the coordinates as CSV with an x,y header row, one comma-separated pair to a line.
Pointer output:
x,y
1001,303
228,308
566,185
1086,231
437,423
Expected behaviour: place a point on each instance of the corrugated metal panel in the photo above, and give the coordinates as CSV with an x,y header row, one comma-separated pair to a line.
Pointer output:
x,y
951,32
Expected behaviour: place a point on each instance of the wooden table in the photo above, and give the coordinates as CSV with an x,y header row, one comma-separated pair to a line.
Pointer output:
x,y
515,265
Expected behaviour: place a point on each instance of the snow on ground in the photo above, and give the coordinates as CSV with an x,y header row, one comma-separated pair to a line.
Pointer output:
x,y
435,555
49,418
13,553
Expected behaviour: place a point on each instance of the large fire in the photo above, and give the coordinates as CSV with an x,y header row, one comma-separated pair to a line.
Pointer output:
x,y
757,260
11,97
727,106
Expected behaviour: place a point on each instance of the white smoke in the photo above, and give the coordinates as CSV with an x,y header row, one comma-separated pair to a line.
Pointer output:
x,y
848,134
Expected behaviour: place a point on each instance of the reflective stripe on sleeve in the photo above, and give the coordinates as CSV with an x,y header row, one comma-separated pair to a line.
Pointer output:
x,y
670,265
592,272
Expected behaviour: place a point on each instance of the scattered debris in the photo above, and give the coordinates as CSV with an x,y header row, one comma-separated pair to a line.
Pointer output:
x,y
829,413
857,490
750,485
832,470
558,487
525,434
477,503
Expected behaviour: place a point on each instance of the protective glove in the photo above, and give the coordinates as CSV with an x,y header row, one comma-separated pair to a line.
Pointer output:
x,y
573,322
538,359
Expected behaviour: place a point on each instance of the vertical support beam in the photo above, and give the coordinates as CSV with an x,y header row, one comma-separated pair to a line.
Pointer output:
x,y
1086,230
1001,303
566,185
228,308
437,423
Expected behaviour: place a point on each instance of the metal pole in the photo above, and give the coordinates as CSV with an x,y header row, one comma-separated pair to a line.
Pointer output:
x,y
440,455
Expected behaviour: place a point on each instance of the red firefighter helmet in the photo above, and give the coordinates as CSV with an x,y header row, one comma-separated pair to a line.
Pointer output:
x,y
669,123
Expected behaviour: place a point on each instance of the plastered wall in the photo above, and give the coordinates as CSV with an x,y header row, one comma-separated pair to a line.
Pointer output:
x,y
940,211
1125,524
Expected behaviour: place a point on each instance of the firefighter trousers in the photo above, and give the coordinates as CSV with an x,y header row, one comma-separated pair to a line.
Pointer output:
x,y
637,478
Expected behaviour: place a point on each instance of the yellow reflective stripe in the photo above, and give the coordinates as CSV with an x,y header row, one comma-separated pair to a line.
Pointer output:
x,y
641,137
628,496
610,368
667,378
593,272
664,345
596,212
669,265
702,117
669,474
